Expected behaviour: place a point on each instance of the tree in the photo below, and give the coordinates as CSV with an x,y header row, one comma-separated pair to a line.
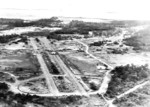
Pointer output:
x,y
3,87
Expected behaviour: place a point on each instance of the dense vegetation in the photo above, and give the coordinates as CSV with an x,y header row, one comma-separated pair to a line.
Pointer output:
x,y
99,43
140,97
92,85
48,34
140,40
9,38
74,27
105,29
119,51
81,27
126,77
53,21
20,100
45,33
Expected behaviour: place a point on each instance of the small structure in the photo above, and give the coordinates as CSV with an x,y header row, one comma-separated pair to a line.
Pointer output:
x,y
100,67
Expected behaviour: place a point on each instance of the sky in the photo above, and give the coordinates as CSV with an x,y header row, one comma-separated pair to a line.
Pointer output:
x,y
107,9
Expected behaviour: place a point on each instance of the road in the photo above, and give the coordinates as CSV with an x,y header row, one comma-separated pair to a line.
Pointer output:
x,y
31,79
51,85
132,89
61,64
110,102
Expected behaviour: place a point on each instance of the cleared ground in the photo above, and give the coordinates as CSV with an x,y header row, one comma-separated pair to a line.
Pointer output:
x,y
129,58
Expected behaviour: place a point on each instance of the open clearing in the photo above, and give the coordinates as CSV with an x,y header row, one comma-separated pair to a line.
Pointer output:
x,y
131,58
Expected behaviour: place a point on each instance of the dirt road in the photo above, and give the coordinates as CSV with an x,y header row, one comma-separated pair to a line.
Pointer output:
x,y
61,64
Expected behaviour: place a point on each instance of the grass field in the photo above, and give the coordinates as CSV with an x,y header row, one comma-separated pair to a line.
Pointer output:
x,y
84,67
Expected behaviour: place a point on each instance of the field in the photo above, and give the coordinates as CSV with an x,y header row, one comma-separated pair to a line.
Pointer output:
x,y
84,67
23,65
35,86
82,64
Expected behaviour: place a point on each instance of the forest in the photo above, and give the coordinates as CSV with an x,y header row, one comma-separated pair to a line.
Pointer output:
x,y
126,77
51,22
74,27
9,38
